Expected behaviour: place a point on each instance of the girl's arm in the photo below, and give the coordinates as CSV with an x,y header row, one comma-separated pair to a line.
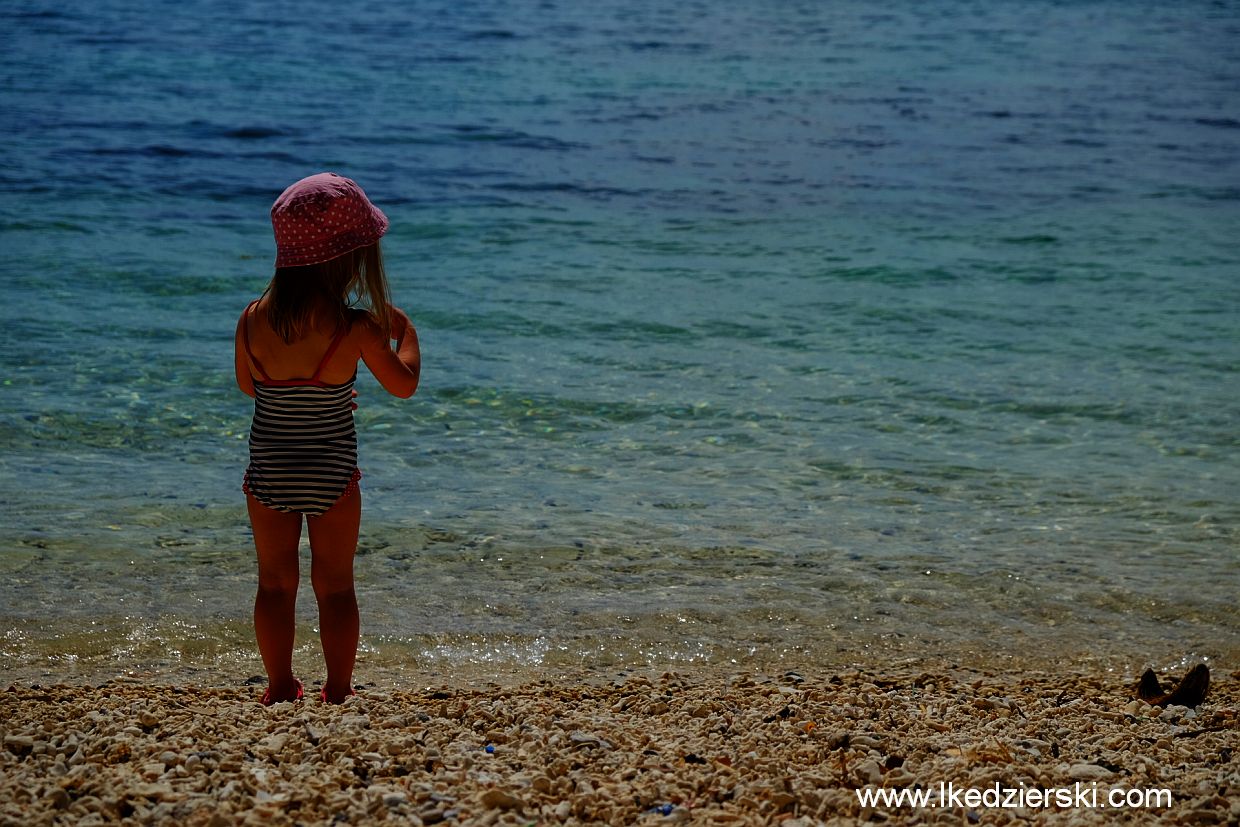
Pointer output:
x,y
245,380
397,371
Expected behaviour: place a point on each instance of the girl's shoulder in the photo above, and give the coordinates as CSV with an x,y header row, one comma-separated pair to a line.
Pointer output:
x,y
363,325
362,319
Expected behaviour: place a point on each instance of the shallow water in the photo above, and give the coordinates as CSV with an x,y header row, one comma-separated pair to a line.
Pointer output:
x,y
753,332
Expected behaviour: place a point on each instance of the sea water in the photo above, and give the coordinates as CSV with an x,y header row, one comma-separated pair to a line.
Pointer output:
x,y
756,332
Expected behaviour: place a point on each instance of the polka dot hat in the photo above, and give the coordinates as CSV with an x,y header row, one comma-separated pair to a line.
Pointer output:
x,y
322,217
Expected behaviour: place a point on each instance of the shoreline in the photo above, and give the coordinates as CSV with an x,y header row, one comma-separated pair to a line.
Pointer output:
x,y
700,746
229,657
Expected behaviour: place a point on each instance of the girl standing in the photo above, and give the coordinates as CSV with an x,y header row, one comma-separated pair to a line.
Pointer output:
x,y
297,347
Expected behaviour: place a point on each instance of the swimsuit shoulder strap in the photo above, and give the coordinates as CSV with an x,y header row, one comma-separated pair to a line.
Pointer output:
x,y
331,350
245,337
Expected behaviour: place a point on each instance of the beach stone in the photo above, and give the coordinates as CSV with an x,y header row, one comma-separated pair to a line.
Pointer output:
x,y
19,743
58,798
315,732
900,777
393,798
868,772
497,799
1088,772
582,739
432,815
274,742
159,791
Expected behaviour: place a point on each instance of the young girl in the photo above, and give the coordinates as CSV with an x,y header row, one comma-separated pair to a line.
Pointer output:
x,y
297,348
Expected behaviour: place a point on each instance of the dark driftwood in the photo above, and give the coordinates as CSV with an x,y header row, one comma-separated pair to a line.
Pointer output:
x,y
1191,691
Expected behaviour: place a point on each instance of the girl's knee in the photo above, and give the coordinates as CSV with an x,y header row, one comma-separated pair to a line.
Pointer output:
x,y
277,599
335,594
332,581
277,585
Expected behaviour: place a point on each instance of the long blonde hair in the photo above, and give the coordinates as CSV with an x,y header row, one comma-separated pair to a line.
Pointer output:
x,y
355,279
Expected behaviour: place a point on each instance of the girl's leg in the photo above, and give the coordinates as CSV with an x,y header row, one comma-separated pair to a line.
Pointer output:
x,y
276,535
333,541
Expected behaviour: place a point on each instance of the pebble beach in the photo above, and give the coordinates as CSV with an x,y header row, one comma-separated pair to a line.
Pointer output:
x,y
719,749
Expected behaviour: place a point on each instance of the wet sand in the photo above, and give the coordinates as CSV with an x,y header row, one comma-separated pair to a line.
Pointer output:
x,y
697,748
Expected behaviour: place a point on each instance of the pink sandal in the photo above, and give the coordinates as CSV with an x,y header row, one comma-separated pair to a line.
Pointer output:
x,y
268,701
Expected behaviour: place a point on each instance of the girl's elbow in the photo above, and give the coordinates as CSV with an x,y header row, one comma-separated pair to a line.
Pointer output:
x,y
404,388
415,376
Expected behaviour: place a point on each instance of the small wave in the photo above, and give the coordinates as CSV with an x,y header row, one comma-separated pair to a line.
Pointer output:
x,y
241,132
635,330
630,117
491,34
1223,123
571,189
283,157
511,137
883,274
119,126
42,14
42,226
98,40
1204,193
1036,239
216,189
666,46
153,151
445,58
1218,123
255,132
850,143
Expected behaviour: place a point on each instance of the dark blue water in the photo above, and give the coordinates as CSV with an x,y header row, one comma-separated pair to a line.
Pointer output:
x,y
753,331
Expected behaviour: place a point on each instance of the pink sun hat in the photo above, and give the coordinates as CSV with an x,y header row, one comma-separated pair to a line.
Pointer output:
x,y
322,217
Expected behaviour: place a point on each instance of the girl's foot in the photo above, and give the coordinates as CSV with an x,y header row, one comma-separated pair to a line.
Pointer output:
x,y
268,699
323,696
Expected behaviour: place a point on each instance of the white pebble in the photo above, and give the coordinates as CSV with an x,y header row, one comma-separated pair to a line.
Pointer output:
x,y
1088,772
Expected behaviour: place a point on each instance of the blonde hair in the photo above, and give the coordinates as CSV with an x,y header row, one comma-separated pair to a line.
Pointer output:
x,y
355,279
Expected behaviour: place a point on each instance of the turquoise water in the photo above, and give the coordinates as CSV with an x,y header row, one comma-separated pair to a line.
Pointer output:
x,y
754,332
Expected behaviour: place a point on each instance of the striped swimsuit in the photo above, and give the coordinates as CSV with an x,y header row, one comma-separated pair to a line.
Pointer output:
x,y
303,448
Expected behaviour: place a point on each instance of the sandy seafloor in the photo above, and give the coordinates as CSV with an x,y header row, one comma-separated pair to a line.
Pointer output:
x,y
706,746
